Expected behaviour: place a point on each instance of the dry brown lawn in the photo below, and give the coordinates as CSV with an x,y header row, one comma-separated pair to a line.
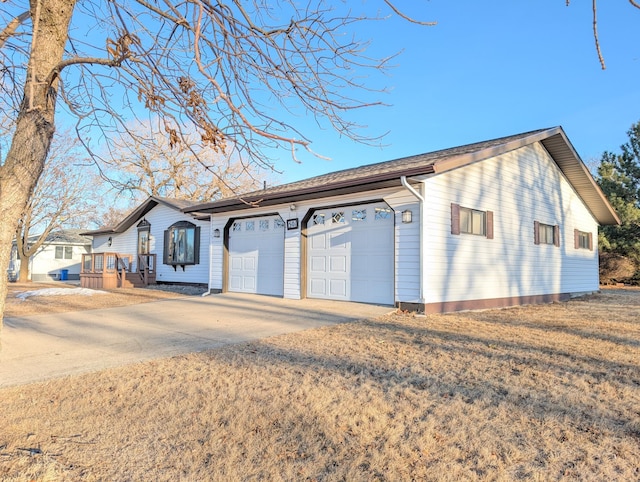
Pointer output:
x,y
532,393
16,307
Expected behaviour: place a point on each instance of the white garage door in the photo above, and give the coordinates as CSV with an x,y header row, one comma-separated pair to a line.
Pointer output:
x,y
256,256
351,253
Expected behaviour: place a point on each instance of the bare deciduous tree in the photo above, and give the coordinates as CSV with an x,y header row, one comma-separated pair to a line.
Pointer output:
x,y
141,169
63,198
224,70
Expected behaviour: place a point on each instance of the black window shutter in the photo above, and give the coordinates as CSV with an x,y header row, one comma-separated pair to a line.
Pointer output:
x,y
590,242
196,246
556,235
165,251
536,232
576,239
455,218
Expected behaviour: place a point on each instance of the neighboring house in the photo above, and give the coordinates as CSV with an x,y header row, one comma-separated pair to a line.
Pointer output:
x,y
58,257
497,223
179,241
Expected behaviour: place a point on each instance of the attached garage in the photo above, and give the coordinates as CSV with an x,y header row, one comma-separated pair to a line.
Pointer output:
x,y
351,253
256,255
404,232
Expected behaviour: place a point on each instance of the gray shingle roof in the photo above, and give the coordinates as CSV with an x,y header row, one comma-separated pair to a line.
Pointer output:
x,y
388,174
139,212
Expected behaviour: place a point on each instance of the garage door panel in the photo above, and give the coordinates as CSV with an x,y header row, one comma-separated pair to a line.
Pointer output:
x,y
339,240
249,263
318,242
338,264
318,263
249,283
318,288
338,288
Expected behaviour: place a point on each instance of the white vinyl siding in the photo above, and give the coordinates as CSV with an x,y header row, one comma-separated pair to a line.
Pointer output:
x,y
518,187
407,246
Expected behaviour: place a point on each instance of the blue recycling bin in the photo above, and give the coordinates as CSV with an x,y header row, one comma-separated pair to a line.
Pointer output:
x,y
64,274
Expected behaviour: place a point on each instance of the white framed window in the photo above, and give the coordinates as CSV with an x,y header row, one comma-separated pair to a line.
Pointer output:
x,y
64,252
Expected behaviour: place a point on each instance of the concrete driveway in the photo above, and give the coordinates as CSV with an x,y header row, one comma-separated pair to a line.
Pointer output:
x,y
41,347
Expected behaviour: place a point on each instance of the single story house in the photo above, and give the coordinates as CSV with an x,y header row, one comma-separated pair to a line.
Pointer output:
x,y
492,224
58,258
157,236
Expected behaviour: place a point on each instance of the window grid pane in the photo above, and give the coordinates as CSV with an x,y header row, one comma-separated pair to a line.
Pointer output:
x,y
359,215
583,240
382,213
546,234
473,221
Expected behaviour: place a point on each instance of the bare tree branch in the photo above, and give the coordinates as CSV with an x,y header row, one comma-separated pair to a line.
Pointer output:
x,y
12,26
595,34
406,17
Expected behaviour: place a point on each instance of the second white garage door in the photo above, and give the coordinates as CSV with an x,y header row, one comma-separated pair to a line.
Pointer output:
x,y
351,254
256,256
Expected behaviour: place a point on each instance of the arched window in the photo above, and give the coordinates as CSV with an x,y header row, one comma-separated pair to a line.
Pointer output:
x,y
182,244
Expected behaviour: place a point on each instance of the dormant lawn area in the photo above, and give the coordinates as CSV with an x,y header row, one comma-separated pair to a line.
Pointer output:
x,y
532,393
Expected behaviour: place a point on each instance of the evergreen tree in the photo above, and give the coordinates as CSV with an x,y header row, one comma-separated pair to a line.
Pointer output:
x,y
619,178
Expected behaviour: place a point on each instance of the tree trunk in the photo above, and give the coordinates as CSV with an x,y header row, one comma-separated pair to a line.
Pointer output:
x,y
23,276
35,123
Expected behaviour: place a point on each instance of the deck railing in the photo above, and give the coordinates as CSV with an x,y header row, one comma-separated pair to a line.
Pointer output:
x,y
115,270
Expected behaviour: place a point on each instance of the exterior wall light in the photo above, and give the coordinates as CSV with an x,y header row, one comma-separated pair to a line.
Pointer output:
x,y
216,233
407,216
292,207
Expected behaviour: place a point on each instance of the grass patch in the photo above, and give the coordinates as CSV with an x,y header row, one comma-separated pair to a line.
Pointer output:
x,y
531,393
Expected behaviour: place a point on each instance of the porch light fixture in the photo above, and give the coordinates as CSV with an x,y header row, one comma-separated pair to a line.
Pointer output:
x,y
292,207
216,233
407,216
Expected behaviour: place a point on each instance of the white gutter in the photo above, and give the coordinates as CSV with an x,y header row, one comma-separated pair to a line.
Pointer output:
x,y
403,180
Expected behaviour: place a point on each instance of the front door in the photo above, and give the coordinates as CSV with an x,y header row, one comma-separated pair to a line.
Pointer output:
x,y
144,228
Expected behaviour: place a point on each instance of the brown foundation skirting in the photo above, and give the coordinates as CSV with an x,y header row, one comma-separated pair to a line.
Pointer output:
x,y
485,304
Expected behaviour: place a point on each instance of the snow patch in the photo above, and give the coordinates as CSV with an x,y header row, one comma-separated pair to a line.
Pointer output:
x,y
60,292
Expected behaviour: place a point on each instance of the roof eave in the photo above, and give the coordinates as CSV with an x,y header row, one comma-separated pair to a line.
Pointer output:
x,y
556,142
369,183
575,170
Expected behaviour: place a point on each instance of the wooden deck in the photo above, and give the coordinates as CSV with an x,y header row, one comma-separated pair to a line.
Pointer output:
x,y
114,270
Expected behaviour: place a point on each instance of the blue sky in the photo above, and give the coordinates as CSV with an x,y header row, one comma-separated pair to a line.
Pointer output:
x,y
491,69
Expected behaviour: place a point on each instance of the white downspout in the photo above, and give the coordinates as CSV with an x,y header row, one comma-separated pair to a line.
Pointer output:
x,y
208,292
405,183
